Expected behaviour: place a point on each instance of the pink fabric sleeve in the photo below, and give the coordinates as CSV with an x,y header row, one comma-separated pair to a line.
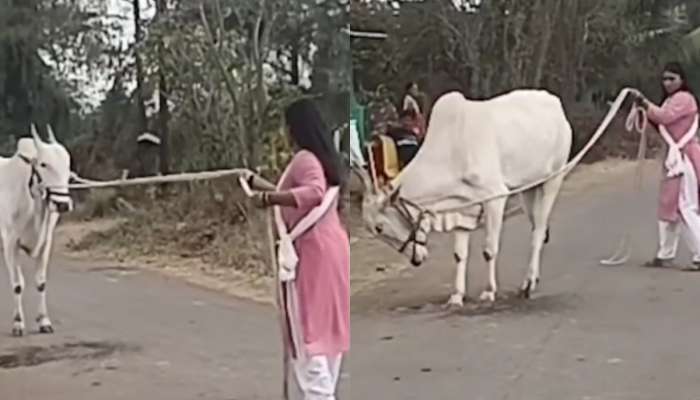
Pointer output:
x,y
678,106
309,180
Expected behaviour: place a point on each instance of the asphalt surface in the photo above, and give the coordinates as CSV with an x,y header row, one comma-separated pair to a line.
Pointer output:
x,y
591,332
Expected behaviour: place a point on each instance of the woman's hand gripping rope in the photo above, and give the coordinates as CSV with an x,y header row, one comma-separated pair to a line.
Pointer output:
x,y
637,121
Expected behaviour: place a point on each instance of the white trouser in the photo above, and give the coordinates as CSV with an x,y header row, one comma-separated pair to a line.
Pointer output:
x,y
669,235
318,376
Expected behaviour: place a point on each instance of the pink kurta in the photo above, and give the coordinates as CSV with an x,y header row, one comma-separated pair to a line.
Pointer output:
x,y
323,273
677,115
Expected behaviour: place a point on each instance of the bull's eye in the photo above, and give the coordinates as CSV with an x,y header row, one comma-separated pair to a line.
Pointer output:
x,y
43,165
379,228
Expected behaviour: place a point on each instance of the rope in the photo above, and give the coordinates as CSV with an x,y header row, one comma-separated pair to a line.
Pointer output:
x,y
636,120
150,180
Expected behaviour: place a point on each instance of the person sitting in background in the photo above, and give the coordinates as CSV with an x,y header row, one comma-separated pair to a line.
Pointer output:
x,y
410,103
404,137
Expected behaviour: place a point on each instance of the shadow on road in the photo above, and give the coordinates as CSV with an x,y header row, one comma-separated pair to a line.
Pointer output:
x,y
509,302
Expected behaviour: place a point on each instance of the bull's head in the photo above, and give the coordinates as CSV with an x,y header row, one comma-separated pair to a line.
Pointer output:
x,y
396,222
52,167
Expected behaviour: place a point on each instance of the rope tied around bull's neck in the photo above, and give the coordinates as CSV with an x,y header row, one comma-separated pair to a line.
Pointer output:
x,y
636,121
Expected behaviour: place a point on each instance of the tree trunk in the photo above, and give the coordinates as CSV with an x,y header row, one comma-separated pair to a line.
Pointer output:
x,y
549,12
163,109
140,106
295,64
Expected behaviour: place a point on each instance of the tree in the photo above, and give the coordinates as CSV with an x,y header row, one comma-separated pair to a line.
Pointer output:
x,y
577,48
42,45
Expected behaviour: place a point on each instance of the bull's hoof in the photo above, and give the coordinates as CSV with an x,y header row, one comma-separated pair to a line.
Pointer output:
x,y
47,329
456,301
488,295
528,287
17,332
525,293
45,325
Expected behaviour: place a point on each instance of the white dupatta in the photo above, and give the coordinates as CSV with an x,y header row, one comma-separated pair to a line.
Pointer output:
x,y
287,258
678,164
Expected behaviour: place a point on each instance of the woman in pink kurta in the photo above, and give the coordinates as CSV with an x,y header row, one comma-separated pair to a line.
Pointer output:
x,y
322,280
677,114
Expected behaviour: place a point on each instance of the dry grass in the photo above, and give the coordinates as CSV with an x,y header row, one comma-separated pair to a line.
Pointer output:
x,y
208,225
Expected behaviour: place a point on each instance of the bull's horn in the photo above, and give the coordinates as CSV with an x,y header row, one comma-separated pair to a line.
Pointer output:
x,y
36,137
35,133
52,137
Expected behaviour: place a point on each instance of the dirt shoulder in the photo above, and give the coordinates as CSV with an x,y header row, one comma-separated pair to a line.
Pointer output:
x,y
372,262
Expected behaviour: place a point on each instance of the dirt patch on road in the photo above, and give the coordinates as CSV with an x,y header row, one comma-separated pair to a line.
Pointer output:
x,y
114,241
32,356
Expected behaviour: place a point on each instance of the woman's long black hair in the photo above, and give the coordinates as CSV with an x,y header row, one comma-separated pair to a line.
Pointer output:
x,y
309,132
676,67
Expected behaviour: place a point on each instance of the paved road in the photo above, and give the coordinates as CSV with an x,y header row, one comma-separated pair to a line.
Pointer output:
x,y
596,333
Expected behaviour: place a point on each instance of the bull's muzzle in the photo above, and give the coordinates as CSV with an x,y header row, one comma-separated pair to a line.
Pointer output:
x,y
60,202
63,207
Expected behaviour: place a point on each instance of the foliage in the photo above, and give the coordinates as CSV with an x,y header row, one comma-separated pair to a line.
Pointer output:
x,y
42,44
225,68
584,50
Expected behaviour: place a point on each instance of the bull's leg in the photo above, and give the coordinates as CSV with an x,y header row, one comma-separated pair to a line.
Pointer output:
x,y
528,200
544,202
42,319
10,249
461,257
493,213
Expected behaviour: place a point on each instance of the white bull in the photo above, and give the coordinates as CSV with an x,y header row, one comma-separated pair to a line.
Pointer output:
x,y
33,192
475,150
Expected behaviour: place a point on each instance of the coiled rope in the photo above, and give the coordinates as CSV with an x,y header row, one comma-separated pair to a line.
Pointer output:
x,y
637,121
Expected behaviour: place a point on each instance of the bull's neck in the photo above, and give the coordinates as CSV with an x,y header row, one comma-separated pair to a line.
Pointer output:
x,y
24,174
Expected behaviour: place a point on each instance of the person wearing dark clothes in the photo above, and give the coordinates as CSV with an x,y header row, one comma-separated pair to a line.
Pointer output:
x,y
404,137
